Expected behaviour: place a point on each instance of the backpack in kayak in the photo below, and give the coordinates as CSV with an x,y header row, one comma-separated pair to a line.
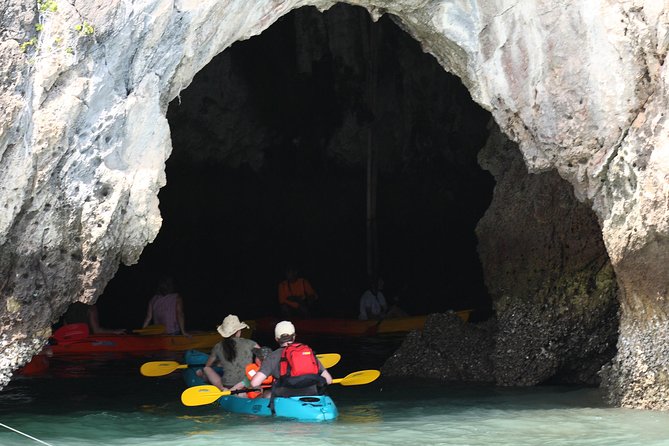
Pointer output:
x,y
298,360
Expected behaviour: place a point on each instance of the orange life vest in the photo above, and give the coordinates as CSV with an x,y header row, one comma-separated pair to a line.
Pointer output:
x,y
300,288
251,370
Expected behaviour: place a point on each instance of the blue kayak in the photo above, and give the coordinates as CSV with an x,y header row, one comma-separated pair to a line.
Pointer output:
x,y
301,408
195,360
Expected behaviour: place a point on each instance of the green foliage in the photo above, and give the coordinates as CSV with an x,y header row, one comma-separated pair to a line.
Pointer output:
x,y
65,43
84,29
28,44
47,5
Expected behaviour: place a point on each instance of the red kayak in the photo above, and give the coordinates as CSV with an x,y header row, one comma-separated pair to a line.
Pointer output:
x,y
39,365
76,339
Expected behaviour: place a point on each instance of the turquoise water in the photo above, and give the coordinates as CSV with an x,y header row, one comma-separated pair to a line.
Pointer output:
x,y
104,401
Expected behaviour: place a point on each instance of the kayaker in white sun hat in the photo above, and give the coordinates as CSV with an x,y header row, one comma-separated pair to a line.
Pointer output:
x,y
231,354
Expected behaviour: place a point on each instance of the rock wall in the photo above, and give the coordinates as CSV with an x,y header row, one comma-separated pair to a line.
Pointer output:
x,y
553,288
447,349
582,88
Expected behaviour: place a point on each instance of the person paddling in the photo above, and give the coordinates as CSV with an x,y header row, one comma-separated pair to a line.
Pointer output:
x,y
260,354
295,367
232,354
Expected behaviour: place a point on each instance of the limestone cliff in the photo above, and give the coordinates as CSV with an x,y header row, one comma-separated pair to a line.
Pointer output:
x,y
554,290
581,87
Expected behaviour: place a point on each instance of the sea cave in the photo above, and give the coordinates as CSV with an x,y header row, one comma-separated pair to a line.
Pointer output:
x,y
511,161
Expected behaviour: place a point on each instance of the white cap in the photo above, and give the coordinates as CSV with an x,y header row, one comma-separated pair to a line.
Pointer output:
x,y
284,328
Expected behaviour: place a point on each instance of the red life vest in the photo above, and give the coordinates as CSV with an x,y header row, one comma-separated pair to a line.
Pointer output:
x,y
298,360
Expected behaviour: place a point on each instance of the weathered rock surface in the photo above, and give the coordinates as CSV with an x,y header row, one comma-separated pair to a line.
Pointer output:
x,y
447,349
554,291
553,287
581,87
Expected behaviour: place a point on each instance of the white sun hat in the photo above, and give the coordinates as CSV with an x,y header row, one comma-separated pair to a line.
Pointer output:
x,y
231,324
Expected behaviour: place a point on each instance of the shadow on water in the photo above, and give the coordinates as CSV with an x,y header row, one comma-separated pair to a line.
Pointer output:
x,y
104,400
112,381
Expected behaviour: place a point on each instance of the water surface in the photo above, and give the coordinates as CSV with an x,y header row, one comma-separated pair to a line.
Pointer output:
x,y
104,401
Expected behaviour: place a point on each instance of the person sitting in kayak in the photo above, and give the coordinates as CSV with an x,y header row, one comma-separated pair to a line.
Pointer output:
x,y
166,308
295,367
231,354
81,313
373,303
296,295
260,354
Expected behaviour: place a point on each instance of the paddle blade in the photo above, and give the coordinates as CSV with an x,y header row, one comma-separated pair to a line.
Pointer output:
x,y
201,395
358,378
329,359
151,330
160,368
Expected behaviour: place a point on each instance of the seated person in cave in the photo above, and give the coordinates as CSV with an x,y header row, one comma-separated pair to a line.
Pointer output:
x,y
296,295
260,354
372,302
231,354
166,308
80,312
395,310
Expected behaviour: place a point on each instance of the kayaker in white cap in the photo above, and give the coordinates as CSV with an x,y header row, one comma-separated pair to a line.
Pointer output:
x,y
295,367
231,354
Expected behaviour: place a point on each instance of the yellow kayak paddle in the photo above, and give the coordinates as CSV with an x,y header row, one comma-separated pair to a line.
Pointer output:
x,y
201,395
207,394
162,368
358,378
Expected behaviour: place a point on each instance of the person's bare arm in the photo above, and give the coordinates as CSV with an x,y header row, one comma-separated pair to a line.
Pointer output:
x,y
93,320
328,378
258,378
239,385
180,316
149,314
213,377
210,360
309,290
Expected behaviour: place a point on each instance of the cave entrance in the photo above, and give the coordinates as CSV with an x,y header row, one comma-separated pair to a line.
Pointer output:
x,y
269,165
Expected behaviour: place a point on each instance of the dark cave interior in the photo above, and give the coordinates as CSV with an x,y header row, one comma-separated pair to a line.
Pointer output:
x,y
269,168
